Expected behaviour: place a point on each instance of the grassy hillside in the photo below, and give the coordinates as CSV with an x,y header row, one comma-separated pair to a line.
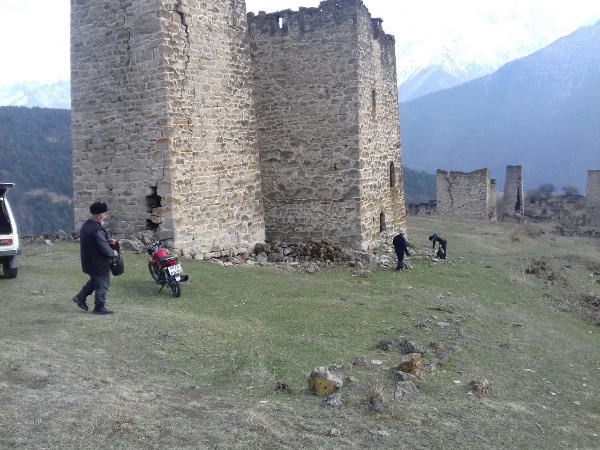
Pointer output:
x,y
225,365
419,186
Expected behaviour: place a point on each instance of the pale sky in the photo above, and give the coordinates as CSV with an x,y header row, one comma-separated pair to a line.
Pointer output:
x,y
34,34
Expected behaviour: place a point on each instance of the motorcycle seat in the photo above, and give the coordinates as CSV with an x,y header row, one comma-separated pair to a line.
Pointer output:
x,y
166,258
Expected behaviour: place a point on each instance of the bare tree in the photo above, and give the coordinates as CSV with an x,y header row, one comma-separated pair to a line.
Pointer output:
x,y
546,190
570,191
533,196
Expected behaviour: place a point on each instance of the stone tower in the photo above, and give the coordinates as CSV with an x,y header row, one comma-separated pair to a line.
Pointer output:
x,y
164,127
513,191
328,125
186,132
592,199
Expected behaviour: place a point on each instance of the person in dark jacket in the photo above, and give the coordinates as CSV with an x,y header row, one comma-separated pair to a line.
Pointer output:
x,y
401,248
441,253
96,256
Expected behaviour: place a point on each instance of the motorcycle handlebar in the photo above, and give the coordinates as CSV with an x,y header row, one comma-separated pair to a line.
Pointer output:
x,y
153,246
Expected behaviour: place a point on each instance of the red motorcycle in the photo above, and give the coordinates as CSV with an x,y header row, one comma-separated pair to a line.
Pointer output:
x,y
165,269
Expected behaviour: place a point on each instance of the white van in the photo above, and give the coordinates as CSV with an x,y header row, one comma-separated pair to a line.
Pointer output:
x,y
9,236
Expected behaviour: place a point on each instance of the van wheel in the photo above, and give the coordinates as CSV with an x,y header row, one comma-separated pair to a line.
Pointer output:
x,y
8,272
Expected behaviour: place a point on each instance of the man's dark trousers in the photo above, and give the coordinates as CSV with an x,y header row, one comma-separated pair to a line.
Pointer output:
x,y
99,284
400,255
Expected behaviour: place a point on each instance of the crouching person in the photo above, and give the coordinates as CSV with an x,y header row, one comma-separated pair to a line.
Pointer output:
x,y
441,253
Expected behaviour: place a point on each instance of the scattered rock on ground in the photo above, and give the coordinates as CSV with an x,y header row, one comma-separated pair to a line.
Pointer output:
x,y
408,346
412,363
385,344
322,382
334,400
481,387
404,388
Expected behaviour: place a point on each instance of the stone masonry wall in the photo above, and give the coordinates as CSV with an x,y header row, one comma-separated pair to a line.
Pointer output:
x,y
465,194
117,90
327,111
382,184
195,121
513,191
164,127
592,199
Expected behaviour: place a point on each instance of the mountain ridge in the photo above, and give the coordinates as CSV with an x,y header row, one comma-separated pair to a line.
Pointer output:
x,y
537,111
457,59
33,94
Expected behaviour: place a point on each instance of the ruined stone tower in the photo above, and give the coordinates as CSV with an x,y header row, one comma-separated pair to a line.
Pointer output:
x,y
513,191
189,124
471,195
592,199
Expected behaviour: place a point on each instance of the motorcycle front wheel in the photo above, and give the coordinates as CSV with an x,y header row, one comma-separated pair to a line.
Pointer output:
x,y
175,287
153,273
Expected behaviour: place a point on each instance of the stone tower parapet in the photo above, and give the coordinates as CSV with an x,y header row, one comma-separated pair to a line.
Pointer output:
x,y
328,124
194,120
471,195
513,191
592,199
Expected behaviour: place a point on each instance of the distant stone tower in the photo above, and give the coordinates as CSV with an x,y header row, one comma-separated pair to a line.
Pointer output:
x,y
592,199
513,191
328,125
470,195
165,98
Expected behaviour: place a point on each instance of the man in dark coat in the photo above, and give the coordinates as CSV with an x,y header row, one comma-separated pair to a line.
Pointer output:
x,y
96,256
401,248
441,253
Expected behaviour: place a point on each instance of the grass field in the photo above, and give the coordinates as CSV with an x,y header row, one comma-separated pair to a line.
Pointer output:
x,y
515,305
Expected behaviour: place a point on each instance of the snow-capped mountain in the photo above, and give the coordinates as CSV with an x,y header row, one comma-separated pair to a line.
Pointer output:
x,y
54,95
448,59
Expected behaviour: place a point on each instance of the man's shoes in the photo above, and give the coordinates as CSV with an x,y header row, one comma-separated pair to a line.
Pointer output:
x,y
80,303
102,310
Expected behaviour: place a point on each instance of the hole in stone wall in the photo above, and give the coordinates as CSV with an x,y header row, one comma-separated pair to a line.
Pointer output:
x,y
373,101
382,226
151,226
152,202
518,203
392,175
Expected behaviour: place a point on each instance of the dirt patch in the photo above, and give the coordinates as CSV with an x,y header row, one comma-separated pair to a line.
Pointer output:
x,y
591,301
543,270
529,232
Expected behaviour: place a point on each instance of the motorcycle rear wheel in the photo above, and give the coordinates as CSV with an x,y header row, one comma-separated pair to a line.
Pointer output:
x,y
176,288
153,273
